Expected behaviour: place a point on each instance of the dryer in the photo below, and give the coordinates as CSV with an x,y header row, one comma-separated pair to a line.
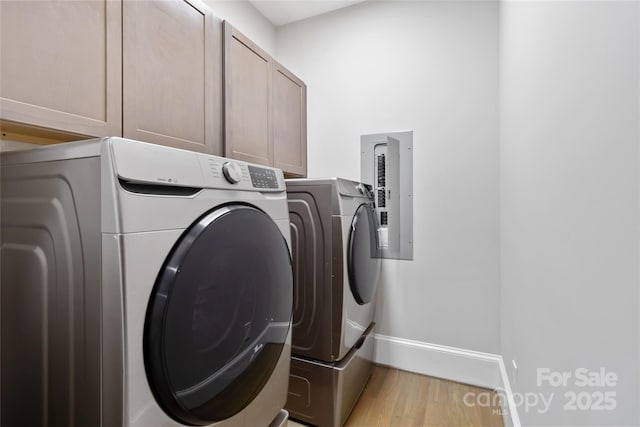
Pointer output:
x,y
143,286
337,257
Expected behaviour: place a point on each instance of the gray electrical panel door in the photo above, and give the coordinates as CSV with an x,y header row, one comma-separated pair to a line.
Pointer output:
x,y
387,165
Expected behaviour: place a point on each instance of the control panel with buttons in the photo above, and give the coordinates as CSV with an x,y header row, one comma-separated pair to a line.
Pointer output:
x,y
141,163
222,173
263,178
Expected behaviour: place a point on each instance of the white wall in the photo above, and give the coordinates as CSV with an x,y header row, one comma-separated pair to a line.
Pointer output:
x,y
570,200
246,18
431,67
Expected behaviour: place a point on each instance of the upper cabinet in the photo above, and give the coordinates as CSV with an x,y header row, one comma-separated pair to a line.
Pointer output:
x,y
161,71
247,94
146,70
265,107
172,74
289,121
60,65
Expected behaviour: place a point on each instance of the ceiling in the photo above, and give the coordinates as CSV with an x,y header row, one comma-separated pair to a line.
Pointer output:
x,y
282,12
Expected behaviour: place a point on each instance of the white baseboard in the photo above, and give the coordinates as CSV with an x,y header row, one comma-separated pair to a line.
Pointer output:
x,y
454,364
509,408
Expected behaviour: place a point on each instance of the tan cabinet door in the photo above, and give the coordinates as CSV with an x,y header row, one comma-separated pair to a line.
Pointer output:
x,y
289,121
247,90
172,74
60,65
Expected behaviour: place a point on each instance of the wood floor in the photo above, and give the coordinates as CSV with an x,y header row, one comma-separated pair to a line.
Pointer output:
x,y
397,398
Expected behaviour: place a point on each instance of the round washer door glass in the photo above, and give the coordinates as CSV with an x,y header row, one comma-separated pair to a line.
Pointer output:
x,y
363,256
219,315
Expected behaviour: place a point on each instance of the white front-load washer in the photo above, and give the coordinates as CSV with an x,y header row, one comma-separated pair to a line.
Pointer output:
x,y
142,286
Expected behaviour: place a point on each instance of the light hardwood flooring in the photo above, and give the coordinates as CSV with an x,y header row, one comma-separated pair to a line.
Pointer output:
x,y
397,398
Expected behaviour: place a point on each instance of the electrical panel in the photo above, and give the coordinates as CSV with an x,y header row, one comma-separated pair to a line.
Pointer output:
x,y
387,165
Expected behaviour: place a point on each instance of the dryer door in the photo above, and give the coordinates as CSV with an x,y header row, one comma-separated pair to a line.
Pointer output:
x,y
363,256
219,315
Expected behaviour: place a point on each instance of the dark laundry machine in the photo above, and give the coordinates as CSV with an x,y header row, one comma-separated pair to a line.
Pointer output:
x,y
336,262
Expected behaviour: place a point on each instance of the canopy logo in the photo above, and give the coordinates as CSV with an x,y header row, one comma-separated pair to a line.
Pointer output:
x,y
489,399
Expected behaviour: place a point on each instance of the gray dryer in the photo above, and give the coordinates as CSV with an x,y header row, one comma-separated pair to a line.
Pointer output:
x,y
336,264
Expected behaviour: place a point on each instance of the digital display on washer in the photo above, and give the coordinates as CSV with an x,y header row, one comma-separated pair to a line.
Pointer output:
x,y
263,178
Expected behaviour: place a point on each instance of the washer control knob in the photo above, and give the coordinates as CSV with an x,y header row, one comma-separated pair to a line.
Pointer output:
x,y
232,172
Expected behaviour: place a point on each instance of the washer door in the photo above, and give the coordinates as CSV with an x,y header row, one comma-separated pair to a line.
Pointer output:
x,y
219,315
363,256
